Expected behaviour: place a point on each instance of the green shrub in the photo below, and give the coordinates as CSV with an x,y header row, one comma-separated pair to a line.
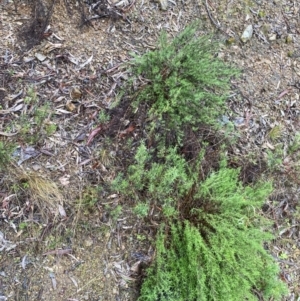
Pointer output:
x,y
211,245
163,179
87,202
295,144
141,209
6,150
186,83
217,253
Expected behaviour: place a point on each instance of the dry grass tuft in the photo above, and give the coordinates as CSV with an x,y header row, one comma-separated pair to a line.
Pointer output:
x,y
42,192
275,133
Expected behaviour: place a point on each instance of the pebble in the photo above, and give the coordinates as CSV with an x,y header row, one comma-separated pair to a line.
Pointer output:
x,y
247,34
88,242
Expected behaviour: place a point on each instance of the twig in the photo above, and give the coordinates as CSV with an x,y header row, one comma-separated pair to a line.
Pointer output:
x,y
260,36
214,22
287,262
128,7
113,68
58,252
288,27
210,16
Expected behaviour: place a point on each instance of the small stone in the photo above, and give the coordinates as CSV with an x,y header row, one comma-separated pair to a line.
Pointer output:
x,y
272,37
88,242
40,56
36,167
247,34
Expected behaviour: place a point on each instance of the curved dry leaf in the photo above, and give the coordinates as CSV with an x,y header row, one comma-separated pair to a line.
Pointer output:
x,y
8,134
86,62
17,108
62,211
70,106
24,262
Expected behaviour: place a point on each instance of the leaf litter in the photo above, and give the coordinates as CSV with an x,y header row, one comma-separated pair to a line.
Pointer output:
x,y
63,54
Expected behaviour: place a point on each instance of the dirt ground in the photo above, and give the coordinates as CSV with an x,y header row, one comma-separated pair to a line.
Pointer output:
x,y
98,252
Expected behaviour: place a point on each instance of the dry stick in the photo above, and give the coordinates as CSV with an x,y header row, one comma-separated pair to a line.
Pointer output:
x,y
128,7
218,26
288,27
58,252
211,18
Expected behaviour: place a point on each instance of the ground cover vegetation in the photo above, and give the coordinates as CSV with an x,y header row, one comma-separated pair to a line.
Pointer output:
x,y
210,245
177,171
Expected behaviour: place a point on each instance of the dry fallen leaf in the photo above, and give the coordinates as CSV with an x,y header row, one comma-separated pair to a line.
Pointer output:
x,y
8,134
75,93
58,111
93,134
136,267
268,145
113,196
53,280
130,129
62,211
70,106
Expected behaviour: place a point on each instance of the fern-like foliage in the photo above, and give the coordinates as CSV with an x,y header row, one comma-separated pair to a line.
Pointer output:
x,y
162,181
211,245
217,254
186,83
